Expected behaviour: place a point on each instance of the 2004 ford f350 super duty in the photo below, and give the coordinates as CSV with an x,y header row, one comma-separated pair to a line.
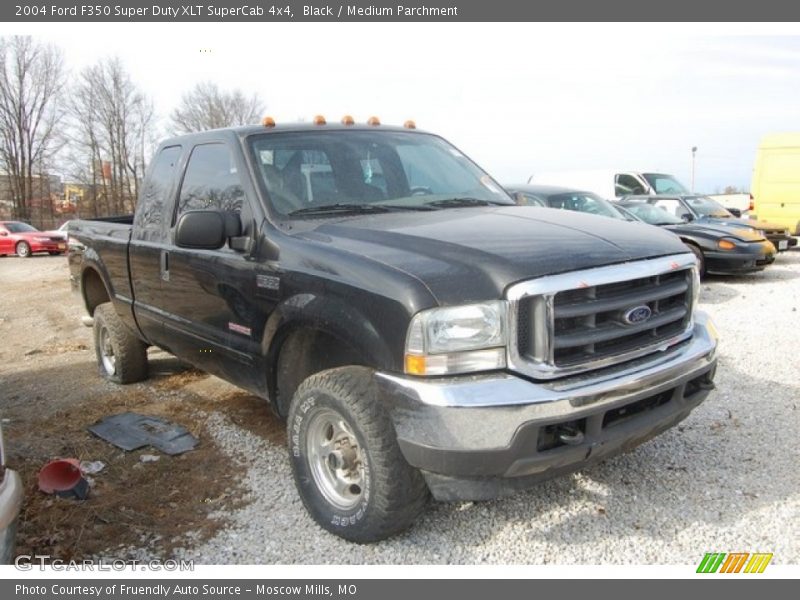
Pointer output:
x,y
419,332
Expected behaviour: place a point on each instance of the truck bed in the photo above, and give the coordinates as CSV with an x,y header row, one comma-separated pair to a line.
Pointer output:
x,y
103,242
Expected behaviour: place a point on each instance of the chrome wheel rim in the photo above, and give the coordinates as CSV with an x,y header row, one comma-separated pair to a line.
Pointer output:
x,y
24,250
107,352
336,459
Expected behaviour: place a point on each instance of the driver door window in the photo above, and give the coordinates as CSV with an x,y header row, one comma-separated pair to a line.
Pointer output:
x,y
211,181
627,185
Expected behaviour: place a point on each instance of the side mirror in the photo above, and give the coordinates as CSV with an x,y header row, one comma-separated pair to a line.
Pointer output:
x,y
3,233
206,229
735,212
687,217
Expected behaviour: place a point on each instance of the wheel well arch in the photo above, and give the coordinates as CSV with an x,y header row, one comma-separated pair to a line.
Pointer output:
x,y
691,242
299,351
94,290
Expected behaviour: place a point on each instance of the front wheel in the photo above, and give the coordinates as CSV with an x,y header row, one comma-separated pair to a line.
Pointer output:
x,y
121,356
24,250
701,260
347,466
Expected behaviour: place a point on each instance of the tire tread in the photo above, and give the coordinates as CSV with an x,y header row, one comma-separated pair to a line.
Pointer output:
x,y
402,493
129,350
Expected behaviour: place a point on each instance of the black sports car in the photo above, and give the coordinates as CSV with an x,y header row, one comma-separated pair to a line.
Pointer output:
x,y
560,197
705,210
719,248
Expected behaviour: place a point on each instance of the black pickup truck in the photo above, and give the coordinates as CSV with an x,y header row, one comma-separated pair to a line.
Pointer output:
x,y
420,333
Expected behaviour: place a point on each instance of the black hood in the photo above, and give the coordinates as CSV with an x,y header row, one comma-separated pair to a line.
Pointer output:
x,y
744,224
712,229
472,254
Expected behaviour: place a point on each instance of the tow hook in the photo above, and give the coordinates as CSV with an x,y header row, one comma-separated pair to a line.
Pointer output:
x,y
706,385
707,382
569,435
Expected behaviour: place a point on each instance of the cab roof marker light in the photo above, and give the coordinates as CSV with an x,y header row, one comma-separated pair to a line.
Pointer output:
x,y
374,121
348,120
319,120
268,122
410,124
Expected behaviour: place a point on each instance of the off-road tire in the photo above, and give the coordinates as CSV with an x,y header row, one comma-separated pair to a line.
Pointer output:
x,y
701,260
394,493
130,353
23,250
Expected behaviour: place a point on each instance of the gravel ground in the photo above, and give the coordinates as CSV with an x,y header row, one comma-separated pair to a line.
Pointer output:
x,y
726,479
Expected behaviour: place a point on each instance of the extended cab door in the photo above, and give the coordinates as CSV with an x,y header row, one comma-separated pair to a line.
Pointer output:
x,y
149,240
209,296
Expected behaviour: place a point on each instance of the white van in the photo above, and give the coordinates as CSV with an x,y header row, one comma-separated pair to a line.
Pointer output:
x,y
611,184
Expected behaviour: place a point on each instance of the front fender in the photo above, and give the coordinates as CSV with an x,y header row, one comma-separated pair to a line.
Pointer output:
x,y
331,316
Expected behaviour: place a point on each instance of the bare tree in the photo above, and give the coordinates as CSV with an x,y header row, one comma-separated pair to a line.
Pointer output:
x,y
112,133
208,107
31,82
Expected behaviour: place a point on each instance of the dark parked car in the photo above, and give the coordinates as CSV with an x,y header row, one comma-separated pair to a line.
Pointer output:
x,y
420,333
719,249
561,197
706,210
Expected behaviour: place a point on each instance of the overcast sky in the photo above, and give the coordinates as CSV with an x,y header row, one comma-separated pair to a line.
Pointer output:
x,y
517,98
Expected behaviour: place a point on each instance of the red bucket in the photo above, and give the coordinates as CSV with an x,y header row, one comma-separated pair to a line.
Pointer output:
x,y
60,475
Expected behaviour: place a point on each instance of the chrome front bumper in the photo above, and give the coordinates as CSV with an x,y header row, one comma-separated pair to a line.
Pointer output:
x,y
463,431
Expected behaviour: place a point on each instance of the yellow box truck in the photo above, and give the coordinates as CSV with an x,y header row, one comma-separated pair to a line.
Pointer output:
x,y
776,180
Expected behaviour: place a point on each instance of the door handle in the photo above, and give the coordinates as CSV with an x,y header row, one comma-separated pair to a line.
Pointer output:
x,y
164,268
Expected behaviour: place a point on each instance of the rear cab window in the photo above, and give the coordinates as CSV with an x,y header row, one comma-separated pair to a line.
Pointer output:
x,y
155,201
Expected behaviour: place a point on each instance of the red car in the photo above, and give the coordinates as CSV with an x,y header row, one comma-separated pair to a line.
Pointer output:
x,y
23,240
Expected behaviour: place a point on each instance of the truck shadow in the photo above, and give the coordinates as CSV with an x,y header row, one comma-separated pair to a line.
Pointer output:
x,y
706,474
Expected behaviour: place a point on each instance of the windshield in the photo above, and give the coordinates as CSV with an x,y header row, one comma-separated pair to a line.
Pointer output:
x,y
706,207
17,227
652,214
585,202
665,184
380,170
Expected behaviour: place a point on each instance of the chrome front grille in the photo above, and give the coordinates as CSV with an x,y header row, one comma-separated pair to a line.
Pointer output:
x,y
575,322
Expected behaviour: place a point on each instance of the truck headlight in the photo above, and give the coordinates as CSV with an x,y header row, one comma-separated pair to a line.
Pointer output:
x,y
457,339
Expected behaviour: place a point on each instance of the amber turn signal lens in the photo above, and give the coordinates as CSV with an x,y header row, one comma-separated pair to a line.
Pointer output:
x,y
348,120
415,364
374,121
268,122
319,120
726,245
410,124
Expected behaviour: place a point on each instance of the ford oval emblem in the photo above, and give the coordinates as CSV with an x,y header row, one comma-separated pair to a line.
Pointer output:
x,y
637,314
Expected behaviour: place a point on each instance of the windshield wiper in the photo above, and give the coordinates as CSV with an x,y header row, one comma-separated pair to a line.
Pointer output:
x,y
464,202
341,207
